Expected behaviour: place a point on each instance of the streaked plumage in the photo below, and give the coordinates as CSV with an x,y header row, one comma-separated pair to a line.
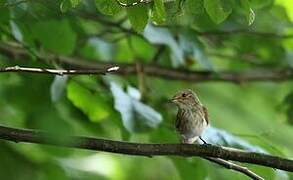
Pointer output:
x,y
192,118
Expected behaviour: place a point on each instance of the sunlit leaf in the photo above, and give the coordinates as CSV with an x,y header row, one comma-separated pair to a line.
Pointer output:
x,y
258,4
217,136
136,116
159,14
65,5
163,36
108,7
138,17
56,36
57,87
193,49
96,48
250,15
92,104
75,2
288,6
16,31
218,10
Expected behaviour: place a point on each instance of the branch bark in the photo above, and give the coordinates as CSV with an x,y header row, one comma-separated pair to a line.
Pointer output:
x,y
60,72
149,150
158,71
235,167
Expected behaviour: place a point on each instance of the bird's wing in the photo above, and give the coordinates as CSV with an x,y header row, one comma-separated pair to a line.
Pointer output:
x,y
206,115
179,119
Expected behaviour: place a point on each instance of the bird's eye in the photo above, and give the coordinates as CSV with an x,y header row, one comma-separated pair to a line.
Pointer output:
x,y
183,95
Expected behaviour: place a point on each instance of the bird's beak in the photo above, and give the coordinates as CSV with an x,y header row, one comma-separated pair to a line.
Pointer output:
x,y
174,100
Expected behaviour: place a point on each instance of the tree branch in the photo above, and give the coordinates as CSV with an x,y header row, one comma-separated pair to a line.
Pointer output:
x,y
245,32
159,71
235,167
140,149
60,72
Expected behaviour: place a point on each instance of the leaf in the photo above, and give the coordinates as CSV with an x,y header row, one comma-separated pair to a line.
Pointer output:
x,y
218,10
250,15
159,13
259,4
96,48
217,136
136,116
92,104
56,36
75,3
16,31
57,87
163,36
288,103
190,169
4,15
65,6
108,7
138,17
192,47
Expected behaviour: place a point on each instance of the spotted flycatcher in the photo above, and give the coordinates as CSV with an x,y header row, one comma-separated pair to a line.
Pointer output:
x,y
192,117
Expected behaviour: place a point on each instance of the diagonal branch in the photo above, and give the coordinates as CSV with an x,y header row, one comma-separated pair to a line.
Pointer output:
x,y
158,71
235,167
140,149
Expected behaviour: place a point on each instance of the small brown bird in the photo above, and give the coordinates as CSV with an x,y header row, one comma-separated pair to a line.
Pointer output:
x,y
192,117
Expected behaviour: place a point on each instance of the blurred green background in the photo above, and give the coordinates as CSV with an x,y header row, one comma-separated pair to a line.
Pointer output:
x,y
247,36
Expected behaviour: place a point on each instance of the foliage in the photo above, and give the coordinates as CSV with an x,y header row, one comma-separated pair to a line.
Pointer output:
x,y
197,35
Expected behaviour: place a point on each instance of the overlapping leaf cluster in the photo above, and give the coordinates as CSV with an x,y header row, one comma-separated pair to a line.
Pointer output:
x,y
196,35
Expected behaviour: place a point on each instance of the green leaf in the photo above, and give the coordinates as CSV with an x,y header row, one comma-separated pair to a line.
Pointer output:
x,y
57,87
75,3
108,7
288,103
218,10
250,15
65,6
4,15
190,169
16,31
258,4
217,136
159,13
96,48
138,16
136,116
92,104
193,49
163,36
56,36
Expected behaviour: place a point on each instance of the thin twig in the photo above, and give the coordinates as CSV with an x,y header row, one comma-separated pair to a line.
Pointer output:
x,y
245,32
236,167
60,72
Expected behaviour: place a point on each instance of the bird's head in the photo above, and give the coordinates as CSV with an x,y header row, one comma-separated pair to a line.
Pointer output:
x,y
185,99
